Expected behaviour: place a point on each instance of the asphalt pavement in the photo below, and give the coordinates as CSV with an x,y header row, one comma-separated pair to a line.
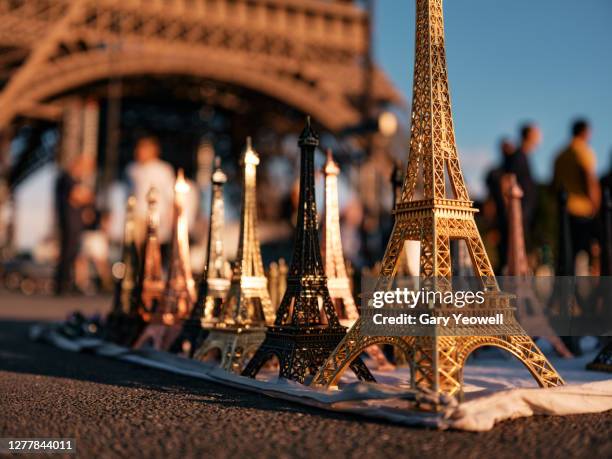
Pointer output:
x,y
118,409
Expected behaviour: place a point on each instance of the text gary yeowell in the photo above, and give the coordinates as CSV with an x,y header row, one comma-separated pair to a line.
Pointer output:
x,y
411,298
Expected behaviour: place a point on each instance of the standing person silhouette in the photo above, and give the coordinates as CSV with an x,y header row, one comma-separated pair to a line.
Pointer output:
x,y
518,164
73,202
147,171
494,187
574,173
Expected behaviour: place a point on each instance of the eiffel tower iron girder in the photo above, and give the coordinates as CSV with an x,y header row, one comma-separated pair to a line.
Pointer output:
x,y
306,54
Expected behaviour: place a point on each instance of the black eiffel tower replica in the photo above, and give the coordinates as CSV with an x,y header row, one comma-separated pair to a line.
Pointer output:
x,y
306,329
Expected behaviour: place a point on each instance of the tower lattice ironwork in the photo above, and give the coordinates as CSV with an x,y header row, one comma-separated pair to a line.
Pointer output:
x,y
306,328
437,361
55,47
179,293
335,269
247,307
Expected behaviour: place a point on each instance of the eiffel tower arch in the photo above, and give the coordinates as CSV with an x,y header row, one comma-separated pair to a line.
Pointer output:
x,y
307,55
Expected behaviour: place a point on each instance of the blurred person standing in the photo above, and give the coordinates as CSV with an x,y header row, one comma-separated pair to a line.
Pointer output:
x,y
74,201
606,181
574,173
147,171
517,163
95,252
494,187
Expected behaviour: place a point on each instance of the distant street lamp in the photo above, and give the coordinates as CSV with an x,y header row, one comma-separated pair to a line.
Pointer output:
x,y
387,124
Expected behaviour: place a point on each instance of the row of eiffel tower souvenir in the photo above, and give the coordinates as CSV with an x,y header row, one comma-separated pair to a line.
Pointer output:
x,y
306,335
232,307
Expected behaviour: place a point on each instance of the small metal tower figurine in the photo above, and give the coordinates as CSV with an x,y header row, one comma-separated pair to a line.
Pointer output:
x,y
333,256
306,329
121,320
148,295
437,361
528,304
179,293
247,307
215,284
215,279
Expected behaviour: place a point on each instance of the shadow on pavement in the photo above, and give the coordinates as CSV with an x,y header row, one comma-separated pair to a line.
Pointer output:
x,y
20,355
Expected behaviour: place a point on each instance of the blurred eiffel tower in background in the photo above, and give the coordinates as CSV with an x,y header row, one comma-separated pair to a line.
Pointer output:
x,y
437,361
247,307
338,281
57,52
306,329
179,293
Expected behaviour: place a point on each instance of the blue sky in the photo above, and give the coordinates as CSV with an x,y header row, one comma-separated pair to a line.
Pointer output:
x,y
512,61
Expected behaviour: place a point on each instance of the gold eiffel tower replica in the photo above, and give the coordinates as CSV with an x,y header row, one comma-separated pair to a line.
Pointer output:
x,y
247,307
333,256
437,361
179,294
121,320
216,283
306,328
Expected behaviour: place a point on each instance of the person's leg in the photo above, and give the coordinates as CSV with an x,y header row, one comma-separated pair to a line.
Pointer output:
x,y
73,245
81,273
103,271
580,235
63,268
61,271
